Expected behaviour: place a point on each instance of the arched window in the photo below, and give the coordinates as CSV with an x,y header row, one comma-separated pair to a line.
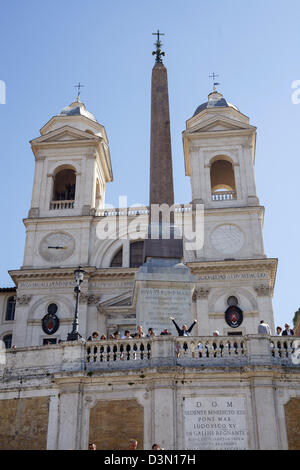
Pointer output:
x,y
7,340
136,254
117,261
222,180
64,186
10,309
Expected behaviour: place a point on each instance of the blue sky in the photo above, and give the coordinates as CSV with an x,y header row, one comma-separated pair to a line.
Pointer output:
x,y
46,47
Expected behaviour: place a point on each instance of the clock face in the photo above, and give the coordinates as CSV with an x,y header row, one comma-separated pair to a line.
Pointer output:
x,y
57,246
227,239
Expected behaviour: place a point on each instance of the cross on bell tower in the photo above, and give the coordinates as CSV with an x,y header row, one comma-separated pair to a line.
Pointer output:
x,y
79,86
214,76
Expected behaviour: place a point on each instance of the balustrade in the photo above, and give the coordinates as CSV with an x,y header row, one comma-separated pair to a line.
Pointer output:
x,y
210,347
223,196
189,350
282,347
59,205
119,350
116,212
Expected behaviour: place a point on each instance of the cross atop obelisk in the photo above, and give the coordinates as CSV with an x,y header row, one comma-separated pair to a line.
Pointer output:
x,y
158,45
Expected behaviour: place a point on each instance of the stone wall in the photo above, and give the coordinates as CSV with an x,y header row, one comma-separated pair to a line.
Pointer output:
x,y
114,422
292,417
24,423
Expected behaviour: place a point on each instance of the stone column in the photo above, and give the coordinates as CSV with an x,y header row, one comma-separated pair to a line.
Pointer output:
x,y
21,316
126,254
200,296
70,411
46,193
164,417
53,423
264,304
36,191
197,176
265,413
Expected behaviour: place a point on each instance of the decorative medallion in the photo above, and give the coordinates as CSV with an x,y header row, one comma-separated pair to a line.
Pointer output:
x,y
50,322
227,239
234,316
56,247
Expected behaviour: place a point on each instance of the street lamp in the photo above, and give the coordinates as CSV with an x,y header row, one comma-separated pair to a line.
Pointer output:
x,y
75,335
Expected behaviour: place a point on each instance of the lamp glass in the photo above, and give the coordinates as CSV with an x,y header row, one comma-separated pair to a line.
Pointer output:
x,y
79,274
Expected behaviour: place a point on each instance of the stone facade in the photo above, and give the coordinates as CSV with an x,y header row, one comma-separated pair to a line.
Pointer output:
x,y
236,391
245,395
60,235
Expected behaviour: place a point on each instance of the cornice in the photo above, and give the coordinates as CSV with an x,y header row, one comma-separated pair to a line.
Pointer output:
x,y
214,267
233,264
233,209
194,135
67,143
57,219
92,273
77,118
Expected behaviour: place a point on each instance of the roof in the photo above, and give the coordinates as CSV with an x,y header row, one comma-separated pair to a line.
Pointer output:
x,y
77,108
215,100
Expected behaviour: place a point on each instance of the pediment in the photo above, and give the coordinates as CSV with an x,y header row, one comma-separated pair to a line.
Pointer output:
x,y
65,134
219,124
122,300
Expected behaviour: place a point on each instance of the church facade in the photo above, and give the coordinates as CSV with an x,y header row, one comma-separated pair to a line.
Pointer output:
x,y
239,390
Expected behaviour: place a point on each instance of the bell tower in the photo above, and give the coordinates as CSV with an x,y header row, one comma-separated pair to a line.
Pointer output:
x,y
72,169
233,270
219,150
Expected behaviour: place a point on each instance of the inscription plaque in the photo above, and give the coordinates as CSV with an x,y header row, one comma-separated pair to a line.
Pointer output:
x,y
155,306
215,423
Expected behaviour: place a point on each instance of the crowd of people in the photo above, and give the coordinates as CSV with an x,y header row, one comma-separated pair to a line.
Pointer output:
x,y
139,333
286,332
263,328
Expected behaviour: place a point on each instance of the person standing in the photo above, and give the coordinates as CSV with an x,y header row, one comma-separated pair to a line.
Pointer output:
x,y
278,331
287,331
94,336
151,333
140,332
184,330
263,328
126,335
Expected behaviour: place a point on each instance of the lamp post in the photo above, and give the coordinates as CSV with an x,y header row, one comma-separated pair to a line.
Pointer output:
x,y
75,335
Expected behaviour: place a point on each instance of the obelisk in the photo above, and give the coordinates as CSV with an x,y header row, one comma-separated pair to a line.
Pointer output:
x,y
159,244
163,285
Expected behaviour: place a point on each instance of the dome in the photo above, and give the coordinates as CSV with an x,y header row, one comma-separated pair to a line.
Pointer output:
x,y
77,109
215,100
